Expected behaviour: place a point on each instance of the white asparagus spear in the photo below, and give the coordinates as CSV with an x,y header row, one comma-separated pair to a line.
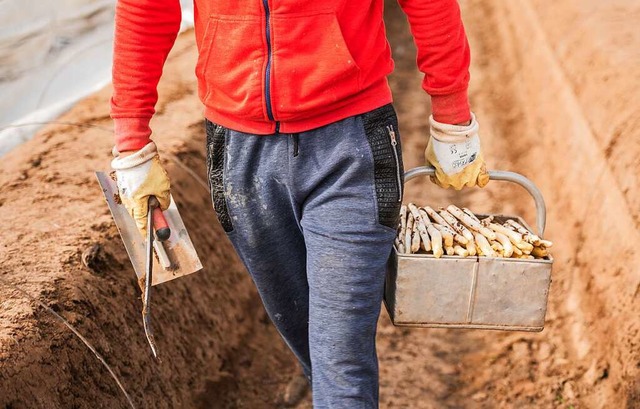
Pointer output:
x,y
545,243
526,248
425,245
539,252
460,251
422,227
455,224
437,219
434,215
446,230
415,236
527,235
436,237
471,223
522,245
470,214
471,247
506,244
516,252
407,234
484,246
456,238
497,247
517,226
526,256
403,225
447,235
440,221
515,237
462,235
399,246
449,251
485,222
436,241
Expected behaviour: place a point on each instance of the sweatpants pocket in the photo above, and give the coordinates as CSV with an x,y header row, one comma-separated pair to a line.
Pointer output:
x,y
381,129
216,135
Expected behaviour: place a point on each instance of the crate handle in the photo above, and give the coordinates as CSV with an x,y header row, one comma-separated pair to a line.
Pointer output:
x,y
541,209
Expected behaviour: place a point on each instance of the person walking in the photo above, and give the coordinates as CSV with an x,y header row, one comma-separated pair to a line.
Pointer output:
x,y
304,154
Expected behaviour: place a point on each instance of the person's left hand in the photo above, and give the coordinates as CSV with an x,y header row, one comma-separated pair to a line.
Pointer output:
x,y
454,151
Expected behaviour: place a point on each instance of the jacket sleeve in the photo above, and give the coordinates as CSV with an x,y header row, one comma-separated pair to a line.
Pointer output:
x,y
443,56
145,31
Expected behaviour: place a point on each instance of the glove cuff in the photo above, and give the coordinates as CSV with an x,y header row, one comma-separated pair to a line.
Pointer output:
x,y
148,152
453,133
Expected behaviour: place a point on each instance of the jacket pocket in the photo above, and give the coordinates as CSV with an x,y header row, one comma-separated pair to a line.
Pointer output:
x,y
381,129
204,53
216,143
312,64
230,65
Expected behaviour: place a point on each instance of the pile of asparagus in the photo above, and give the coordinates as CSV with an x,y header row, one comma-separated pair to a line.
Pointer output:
x,y
455,231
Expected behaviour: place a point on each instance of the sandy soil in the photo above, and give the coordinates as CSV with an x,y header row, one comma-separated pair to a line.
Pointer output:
x,y
553,105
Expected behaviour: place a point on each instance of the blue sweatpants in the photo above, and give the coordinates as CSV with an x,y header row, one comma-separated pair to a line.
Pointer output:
x,y
313,217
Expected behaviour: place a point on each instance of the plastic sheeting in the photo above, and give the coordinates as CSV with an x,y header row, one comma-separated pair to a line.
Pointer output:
x,y
52,53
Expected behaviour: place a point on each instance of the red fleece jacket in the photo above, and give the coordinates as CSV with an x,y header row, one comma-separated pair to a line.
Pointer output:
x,y
284,65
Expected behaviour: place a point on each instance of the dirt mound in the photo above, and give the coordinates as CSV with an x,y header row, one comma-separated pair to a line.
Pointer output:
x,y
552,105
210,326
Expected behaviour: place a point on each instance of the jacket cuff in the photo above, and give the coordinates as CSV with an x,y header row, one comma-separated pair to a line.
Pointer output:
x,y
131,134
451,108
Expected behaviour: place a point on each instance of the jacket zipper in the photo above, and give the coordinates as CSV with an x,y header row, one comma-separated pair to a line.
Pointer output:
x,y
394,144
267,74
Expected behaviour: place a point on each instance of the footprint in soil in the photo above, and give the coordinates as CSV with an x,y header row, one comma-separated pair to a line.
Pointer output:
x,y
220,391
98,260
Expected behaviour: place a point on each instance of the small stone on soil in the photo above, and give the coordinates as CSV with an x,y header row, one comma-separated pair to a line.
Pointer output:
x,y
479,396
295,391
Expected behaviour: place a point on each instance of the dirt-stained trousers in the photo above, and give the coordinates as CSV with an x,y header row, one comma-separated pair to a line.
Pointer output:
x,y
313,217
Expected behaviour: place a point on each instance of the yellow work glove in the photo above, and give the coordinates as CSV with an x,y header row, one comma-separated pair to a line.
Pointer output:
x,y
139,176
454,150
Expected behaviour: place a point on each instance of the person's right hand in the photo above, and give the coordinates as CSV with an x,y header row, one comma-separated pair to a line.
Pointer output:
x,y
140,175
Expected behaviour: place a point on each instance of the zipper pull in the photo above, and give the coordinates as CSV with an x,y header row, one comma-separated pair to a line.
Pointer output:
x,y
392,134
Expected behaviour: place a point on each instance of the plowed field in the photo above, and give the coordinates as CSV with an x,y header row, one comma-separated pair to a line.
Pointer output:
x,y
555,89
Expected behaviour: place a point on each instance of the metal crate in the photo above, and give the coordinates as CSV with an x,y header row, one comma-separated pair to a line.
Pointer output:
x,y
470,292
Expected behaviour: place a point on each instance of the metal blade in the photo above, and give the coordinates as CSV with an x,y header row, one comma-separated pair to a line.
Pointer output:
x,y
178,248
146,298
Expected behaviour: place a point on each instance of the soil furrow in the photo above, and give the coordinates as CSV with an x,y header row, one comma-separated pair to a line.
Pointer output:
x,y
535,88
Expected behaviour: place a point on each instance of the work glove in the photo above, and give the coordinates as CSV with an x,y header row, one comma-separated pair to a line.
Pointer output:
x,y
454,150
139,176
